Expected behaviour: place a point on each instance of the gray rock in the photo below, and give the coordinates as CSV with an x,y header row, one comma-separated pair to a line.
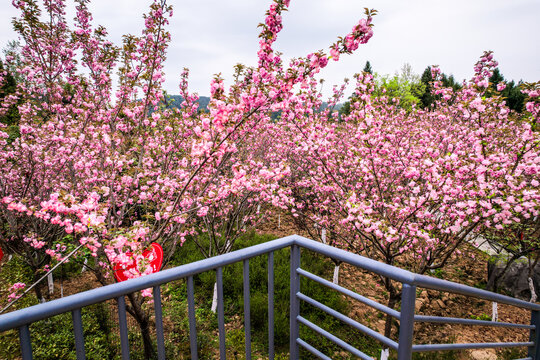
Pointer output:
x,y
515,281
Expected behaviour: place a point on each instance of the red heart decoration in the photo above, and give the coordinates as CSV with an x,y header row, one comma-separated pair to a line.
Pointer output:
x,y
154,254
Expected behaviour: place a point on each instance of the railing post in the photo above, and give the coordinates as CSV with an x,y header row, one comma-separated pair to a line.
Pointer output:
x,y
295,304
159,323
122,323
535,335
247,311
192,321
406,322
271,306
79,334
221,314
26,342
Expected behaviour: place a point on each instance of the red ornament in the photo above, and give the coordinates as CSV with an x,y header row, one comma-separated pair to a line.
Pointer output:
x,y
1,254
154,254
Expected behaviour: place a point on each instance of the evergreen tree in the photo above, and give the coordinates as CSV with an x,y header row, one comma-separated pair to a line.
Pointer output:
x,y
367,68
495,78
345,109
11,117
511,93
515,99
427,98
449,81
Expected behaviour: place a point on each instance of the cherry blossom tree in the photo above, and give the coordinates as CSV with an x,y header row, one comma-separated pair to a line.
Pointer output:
x,y
413,186
109,169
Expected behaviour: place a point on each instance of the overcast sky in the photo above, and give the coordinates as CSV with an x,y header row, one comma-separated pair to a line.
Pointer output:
x,y
211,36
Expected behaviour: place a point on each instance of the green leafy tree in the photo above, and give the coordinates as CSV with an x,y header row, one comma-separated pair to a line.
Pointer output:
x,y
405,88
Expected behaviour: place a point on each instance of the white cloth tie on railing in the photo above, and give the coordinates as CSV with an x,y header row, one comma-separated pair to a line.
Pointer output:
x,y
335,280
50,282
214,299
533,293
494,312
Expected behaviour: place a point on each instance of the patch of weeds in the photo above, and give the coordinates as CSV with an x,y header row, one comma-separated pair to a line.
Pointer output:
x,y
484,317
482,284
438,273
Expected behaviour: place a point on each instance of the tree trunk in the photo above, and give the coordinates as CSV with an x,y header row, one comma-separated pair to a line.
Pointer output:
x,y
392,301
143,320
38,288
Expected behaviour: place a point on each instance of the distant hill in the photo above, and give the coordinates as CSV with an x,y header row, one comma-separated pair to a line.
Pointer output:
x,y
174,101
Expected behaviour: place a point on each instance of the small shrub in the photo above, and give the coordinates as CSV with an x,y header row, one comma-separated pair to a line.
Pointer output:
x,y
53,338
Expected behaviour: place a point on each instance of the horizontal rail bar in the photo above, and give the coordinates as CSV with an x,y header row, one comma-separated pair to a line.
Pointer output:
x,y
345,291
312,350
440,347
408,277
38,312
333,338
371,265
361,327
450,320
448,286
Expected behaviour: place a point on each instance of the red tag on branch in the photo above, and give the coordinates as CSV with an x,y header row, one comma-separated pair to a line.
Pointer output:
x,y
155,256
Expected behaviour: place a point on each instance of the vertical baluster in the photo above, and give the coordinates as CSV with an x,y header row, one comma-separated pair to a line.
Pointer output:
x,y
295,304
159,324
26,343
534,351
78,332
406,322
221,315
247,315
124,342
192,323
271,305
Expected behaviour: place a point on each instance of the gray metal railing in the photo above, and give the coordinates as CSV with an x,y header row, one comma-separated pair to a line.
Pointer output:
x,y
21,319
